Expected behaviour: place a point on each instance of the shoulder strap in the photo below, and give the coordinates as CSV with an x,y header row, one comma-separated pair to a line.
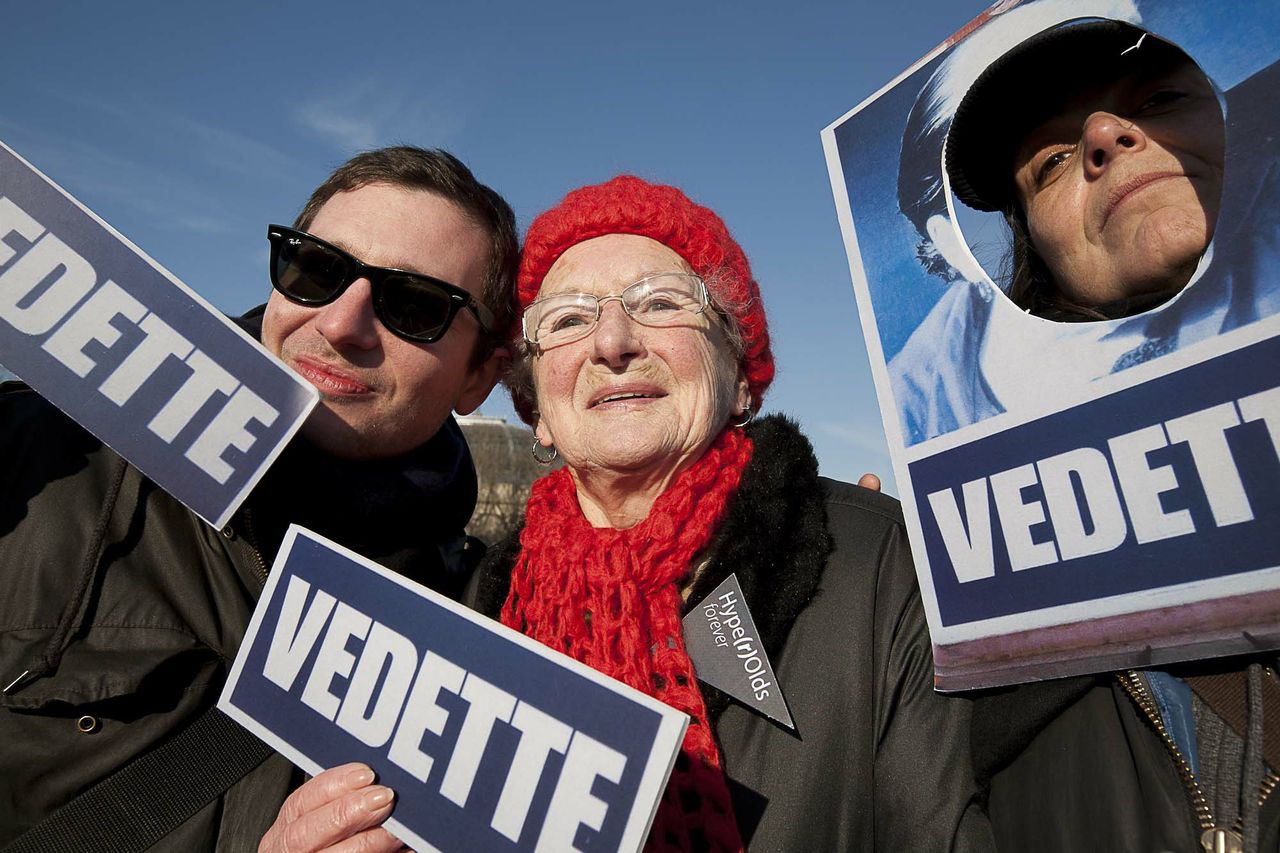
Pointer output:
x,y
152,795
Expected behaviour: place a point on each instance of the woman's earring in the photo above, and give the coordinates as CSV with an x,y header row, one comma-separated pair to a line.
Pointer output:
x,y
542,458
748,415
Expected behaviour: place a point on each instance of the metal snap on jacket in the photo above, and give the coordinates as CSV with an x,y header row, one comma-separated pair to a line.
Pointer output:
x,y
87,724
228,532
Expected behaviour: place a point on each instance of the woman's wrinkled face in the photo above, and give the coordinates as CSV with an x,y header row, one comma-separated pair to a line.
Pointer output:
x,y
1121,187
630,397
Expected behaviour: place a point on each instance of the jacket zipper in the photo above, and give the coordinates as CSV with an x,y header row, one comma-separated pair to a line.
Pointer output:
x,y
1268,785
252,539
1132,683
1271,779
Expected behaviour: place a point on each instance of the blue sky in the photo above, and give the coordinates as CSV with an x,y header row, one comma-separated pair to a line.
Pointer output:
x,y
190,127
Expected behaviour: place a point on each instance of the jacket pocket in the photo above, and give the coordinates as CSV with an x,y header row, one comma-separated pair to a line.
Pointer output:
x,y
108,664
117,693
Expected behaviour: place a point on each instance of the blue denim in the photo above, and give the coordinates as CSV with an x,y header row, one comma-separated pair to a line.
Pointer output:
x,y
1173,699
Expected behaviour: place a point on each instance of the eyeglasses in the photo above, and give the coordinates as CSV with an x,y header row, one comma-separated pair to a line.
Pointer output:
x,y
416,307
663,299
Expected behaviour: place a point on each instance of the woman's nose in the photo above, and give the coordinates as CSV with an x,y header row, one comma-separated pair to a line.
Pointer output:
x,y
1106,136
617,337
349,321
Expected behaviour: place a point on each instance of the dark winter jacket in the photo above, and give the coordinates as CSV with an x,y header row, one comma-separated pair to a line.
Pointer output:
x,y
1087,764
126,609
879,760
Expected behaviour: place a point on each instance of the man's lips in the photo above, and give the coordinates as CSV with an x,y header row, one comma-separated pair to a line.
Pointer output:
x,y
1128,188
624,394
329,378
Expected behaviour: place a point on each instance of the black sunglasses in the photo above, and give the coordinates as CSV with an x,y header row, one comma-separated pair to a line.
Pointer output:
x,y
416,307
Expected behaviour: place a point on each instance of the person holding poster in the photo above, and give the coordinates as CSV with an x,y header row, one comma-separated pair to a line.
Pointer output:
x,y
645,359
123,610
1143,124
964,362
1110,172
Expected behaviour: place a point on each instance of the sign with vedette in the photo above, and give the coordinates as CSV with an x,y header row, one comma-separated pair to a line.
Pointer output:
x,y
490,740
1093,495
133,355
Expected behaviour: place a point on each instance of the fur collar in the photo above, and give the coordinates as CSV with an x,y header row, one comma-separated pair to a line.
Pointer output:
x,y
774,537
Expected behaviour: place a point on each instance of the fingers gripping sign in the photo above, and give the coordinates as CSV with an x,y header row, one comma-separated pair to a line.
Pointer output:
x,y
340,811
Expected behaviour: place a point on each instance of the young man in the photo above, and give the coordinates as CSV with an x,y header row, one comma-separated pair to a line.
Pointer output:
x,y
122,609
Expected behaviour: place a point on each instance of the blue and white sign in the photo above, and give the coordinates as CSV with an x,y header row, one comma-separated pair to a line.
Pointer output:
x,y
134,356
490,740
1082,496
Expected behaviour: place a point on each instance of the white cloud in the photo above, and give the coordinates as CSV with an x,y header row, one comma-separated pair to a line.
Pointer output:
x,y
234,152
89,170
364,114
330,121
208,225
224,150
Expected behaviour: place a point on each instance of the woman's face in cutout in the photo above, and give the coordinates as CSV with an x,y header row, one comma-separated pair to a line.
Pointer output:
x,y
1121,187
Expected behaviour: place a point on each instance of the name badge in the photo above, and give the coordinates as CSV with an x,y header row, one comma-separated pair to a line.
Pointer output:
x,y
726,651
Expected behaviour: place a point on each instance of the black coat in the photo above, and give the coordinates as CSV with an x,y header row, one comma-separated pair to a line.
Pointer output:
x,y
128,609
1077,764
879,760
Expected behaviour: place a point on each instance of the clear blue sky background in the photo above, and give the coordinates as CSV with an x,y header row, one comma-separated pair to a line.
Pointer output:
x,y
189,127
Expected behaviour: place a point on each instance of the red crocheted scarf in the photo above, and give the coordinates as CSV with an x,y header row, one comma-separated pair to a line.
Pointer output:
x,y
611,599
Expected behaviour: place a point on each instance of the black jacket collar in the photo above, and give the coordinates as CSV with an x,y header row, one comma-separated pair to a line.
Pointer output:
x,y
396,511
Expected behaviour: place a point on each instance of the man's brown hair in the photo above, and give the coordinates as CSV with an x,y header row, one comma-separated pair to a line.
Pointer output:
x,y
439,172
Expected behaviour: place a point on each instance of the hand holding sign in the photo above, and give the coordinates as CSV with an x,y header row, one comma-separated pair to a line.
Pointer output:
x,y
339,809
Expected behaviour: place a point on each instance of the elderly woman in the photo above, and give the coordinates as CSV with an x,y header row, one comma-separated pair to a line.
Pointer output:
x,y
665,493
646,356
1111,186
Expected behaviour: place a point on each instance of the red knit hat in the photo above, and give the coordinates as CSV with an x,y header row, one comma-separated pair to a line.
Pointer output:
x,y
630,205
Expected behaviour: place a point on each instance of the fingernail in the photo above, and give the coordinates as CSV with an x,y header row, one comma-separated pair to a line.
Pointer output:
x,y
360,778
377,798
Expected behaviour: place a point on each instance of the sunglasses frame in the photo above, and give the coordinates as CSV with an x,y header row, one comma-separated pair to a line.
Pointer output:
x,y
357,269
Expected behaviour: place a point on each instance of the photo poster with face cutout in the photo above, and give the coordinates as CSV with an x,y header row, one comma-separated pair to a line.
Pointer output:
x,y
1081,496
490,740
132,354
